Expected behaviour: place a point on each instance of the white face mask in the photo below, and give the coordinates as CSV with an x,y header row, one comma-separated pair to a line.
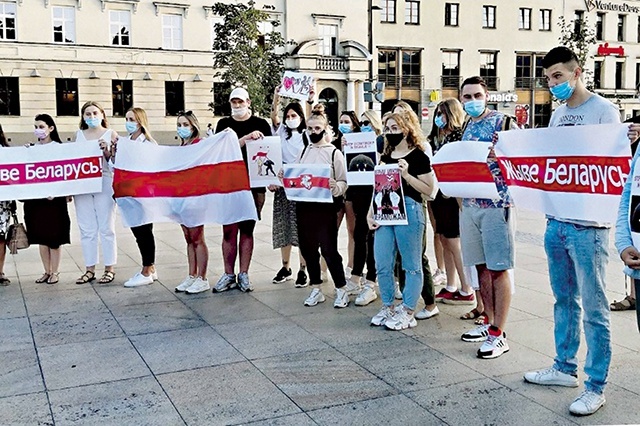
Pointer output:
x,y
239,112
293,123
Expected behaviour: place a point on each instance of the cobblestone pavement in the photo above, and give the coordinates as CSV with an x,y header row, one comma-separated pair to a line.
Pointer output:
x,y
104,354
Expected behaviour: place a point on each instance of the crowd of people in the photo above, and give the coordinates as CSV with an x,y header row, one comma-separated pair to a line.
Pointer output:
x,y
471,232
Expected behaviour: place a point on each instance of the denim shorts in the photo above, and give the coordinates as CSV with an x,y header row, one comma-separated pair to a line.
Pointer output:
x,y
488,237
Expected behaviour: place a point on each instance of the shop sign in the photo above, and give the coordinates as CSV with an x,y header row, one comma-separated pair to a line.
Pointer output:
x,y
502,97
624,7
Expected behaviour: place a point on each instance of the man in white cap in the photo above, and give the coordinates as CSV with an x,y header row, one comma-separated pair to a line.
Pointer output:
x,y
247,127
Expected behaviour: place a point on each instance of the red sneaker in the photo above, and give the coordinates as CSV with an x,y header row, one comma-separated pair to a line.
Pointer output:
x,y
444,294
458,299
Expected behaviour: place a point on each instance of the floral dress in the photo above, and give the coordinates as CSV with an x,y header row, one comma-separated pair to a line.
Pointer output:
x,y
6,208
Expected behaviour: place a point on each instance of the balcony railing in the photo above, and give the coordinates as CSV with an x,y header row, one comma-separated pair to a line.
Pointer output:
x,y
450,81
331,64
492,82
531,83
394,81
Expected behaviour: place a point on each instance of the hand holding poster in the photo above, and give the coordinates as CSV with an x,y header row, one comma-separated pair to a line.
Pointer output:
x,y
388,197
360,157
307,182
462,170
51,170
264,157
296,85
572,172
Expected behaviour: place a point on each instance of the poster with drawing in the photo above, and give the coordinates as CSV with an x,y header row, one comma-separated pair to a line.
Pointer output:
x,y
264,157
296,85
388,197
360,157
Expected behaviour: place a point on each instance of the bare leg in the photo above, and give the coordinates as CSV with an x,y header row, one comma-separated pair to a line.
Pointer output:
x,y
46,259
246,251
230,247
201,251
55,255
439,251
486,290
501,297
191,252
285,253
452,245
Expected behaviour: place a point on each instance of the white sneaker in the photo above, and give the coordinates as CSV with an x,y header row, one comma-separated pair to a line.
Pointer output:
x,y
424,313
154,275
439,277
199,285
493,347
381,317
138,280
401,320
184,285
314,298
478,334
342,298
551,377
587,403
226,282
367,295
398,293
352,288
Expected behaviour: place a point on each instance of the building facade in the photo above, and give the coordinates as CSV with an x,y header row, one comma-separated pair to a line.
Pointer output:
x,y
57,54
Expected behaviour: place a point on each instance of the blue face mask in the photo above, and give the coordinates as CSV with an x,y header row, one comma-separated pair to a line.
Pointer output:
x,y
439,121
184,132
366,129
344,128
562,91
131,127
93,122
475,108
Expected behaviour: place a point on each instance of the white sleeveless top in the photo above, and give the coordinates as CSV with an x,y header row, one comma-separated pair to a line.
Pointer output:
x,y
107,171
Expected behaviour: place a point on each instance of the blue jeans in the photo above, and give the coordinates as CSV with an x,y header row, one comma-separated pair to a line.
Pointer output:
x,y
577,257
408,240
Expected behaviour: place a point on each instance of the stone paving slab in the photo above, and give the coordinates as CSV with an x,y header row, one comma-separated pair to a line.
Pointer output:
x,y
104,354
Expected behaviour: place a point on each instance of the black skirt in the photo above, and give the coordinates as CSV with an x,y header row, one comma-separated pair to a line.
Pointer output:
x,y
47,222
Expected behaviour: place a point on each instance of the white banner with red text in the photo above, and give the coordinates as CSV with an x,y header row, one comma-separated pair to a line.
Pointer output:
x,y
307,182
573,172
51,170
192,185
462,170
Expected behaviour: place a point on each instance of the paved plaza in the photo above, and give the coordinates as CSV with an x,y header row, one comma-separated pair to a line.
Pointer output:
x,y
107,355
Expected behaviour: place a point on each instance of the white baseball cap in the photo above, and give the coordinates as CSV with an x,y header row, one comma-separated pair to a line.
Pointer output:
x,y
239,93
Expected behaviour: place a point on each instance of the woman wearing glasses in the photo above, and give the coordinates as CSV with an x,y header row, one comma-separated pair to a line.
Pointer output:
x,y
197,252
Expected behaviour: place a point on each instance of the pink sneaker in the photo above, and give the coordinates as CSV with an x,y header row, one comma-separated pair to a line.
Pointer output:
x,y
458,299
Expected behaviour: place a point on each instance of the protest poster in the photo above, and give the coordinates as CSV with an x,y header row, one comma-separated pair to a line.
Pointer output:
x,y
50,170
264,159
191,185
307,182
388,197
296,85
573,172
360,157
463,172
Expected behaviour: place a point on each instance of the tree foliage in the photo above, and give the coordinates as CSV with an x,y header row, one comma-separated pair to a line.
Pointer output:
x,y
246,56
579,36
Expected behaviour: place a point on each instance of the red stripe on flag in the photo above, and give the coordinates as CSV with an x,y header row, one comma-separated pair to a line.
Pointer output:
x,y
221,178
313,182
463,171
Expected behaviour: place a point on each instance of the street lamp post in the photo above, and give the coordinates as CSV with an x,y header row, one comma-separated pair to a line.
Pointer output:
x,y
370,10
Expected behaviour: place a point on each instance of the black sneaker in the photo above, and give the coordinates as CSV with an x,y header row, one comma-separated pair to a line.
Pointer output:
x,y
302,279
283,275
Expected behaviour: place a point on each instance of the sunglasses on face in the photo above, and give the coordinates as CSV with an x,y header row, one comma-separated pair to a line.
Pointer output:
x,y
365,123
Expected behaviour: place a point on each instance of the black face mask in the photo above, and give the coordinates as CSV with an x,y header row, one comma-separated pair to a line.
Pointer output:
x,y
316,137
394,139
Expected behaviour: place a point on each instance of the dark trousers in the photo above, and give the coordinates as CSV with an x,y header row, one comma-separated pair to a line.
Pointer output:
x,y
318,228
637,284
146,243
428,292
362,235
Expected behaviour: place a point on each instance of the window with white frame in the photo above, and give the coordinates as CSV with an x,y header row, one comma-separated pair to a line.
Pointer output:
x,y
328,39
64,24
172,31
524,21
545,19
388,12
412,12
488,16
264,29
120,27
451,14
7,21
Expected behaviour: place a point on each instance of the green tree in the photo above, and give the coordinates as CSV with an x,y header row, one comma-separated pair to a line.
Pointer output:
x,y
245,56
580,37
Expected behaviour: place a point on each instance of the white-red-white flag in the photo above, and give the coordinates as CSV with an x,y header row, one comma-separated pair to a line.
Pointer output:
x,y
307,182
192,185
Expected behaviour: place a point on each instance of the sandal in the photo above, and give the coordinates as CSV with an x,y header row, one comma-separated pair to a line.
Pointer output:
x,y
54,278
87,277
626,304
472,314
481,320
4,281
107,277
43,278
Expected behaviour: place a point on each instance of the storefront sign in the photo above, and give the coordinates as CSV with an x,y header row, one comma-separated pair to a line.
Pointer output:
x,y
502,97
605,50
611,6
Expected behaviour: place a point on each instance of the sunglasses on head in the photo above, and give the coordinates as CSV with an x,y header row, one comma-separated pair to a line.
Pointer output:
x,y
185,113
